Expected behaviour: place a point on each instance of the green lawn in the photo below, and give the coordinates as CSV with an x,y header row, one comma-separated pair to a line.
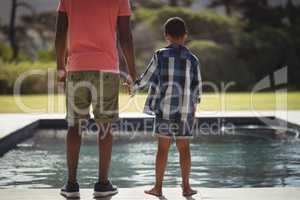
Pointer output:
x,y
210,102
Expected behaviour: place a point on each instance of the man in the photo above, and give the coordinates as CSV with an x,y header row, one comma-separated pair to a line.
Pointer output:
x,y
86,35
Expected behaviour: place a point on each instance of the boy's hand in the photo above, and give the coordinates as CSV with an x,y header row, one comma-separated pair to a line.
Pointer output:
x,y
195,110
128,84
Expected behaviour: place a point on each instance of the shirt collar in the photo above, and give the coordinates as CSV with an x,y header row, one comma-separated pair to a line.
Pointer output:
x,y
176,46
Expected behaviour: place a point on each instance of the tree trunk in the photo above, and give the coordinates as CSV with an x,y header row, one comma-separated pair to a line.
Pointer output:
x,y
12,30
228,9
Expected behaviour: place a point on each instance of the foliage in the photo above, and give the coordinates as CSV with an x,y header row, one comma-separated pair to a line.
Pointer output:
x,y
143,15
210,54
230,48
10,72
252,43
228,4
46,55
5,52
264,50
157,4
201,25
220,64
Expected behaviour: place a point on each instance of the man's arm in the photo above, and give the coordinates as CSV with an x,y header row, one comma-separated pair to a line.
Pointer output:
x,y
60,42
125,37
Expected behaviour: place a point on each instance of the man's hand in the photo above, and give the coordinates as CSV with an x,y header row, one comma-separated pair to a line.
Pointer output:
x,y
128,84
61,75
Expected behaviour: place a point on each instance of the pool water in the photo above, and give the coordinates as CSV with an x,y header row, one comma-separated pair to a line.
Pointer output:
x,y
234,162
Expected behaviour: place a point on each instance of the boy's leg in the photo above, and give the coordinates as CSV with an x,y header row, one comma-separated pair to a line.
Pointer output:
x,y
73,149
160,165
105,139
183,146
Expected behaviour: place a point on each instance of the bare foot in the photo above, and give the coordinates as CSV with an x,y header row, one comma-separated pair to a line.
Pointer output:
x,y
154,191
188,192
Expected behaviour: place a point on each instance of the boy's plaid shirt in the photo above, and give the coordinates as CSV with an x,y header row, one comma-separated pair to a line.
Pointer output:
x,y
175,83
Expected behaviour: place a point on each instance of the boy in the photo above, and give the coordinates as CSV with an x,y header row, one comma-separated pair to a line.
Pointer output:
x,y
175,86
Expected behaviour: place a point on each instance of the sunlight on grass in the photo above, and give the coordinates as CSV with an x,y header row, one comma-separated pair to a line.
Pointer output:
x,y
210,102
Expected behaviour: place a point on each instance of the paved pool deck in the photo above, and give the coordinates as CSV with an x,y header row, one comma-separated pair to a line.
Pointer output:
x,y
12,122
169,193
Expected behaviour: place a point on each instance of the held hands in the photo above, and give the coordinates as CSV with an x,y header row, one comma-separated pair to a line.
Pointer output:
x,y
61,77
128,84
195,110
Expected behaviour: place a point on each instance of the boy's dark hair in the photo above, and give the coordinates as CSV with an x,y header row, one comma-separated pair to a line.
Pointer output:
x,y
175,27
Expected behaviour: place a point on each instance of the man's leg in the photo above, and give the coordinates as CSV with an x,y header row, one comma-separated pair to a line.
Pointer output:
x,y
78,103
105,140
105,108
183,146
160,165
73,149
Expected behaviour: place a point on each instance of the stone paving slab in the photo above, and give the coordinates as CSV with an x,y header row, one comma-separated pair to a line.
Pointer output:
x,y
12,122
169,193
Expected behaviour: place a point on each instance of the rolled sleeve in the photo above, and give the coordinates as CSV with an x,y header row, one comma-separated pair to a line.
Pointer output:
x,y
61,6
124,9
149,76
197,84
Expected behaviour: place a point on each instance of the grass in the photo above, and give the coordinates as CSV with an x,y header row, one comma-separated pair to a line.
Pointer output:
x,y
210,102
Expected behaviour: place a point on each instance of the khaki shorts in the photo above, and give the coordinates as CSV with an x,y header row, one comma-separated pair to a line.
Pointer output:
x,y
86,88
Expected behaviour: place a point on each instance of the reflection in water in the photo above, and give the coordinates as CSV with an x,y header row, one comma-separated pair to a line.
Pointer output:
x,y
217,162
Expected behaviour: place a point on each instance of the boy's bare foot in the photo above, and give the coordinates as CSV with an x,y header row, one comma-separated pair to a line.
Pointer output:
x,y
154,191
188,192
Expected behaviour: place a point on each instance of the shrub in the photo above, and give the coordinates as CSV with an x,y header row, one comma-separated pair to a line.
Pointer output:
x,y
46,55
219,64
264,50
144,15
5,52
204,24
210,54
31,85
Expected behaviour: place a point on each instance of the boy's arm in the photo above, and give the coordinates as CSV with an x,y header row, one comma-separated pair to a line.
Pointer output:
x,y
60,44
126,41
197,84
149,76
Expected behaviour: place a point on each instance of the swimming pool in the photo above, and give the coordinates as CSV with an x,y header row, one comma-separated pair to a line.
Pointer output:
x,y
219,161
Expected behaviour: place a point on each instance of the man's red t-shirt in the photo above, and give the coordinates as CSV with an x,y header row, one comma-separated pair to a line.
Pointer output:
x,y
92,33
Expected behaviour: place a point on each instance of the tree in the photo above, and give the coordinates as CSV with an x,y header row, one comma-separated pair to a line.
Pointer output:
x,y
228,4
291,10
15,4
260,13
254,10
12,30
